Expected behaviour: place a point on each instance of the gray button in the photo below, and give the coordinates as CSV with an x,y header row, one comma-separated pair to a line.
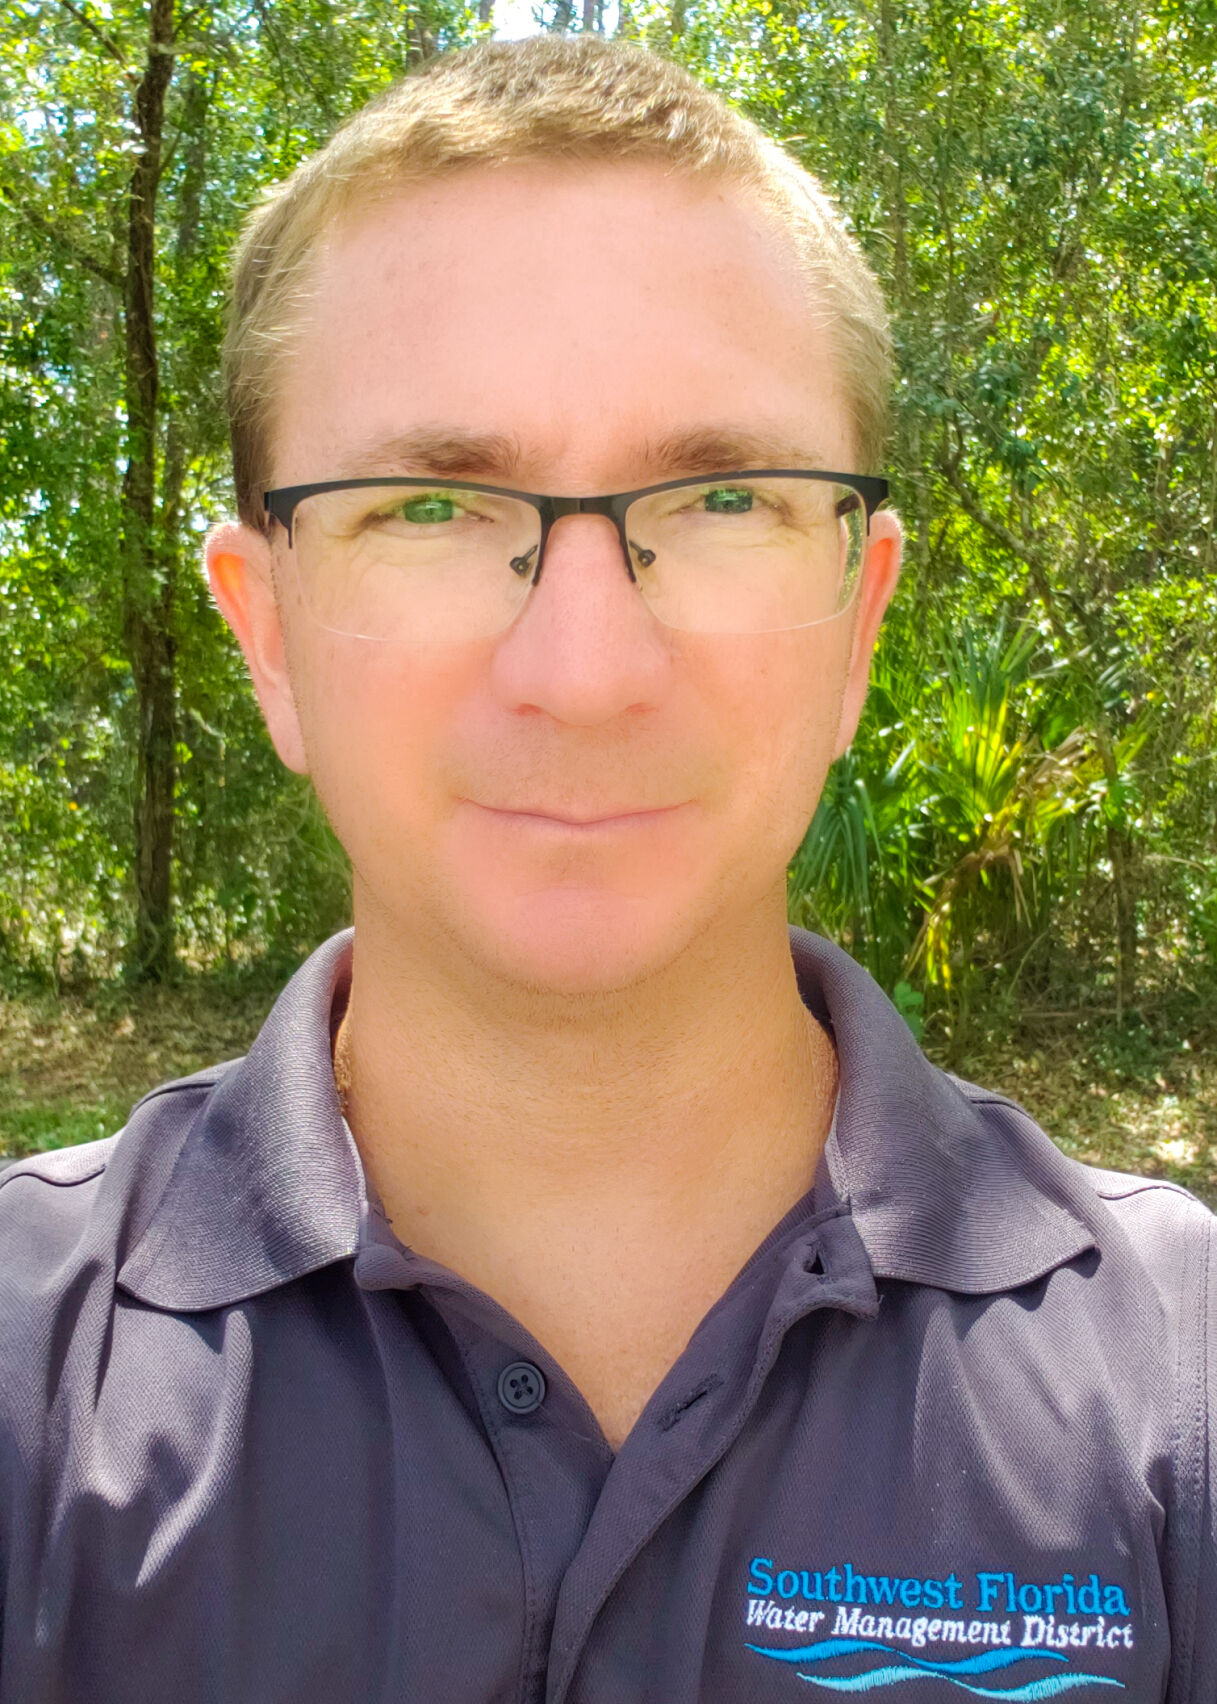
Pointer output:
x,y
521,1387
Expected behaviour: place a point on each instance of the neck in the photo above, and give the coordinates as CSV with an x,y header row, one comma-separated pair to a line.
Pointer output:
x,y
698,1096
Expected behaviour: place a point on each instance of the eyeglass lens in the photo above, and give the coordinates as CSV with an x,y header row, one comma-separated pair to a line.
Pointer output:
x,y
449,563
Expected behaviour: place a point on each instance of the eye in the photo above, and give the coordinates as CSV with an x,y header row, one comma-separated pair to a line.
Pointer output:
x,y
431,506
728,500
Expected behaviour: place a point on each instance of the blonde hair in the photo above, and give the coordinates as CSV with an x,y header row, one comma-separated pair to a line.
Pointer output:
x,y
562,99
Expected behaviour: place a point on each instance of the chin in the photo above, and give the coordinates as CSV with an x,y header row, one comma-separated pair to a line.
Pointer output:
x,y
572,941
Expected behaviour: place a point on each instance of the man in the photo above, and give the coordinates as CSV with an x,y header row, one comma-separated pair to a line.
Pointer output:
x,y
657,1324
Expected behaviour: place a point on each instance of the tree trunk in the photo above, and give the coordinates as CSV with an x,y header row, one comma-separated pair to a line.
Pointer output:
x,y
147,573
1121,853
197,96
420,42
894,153
1210,536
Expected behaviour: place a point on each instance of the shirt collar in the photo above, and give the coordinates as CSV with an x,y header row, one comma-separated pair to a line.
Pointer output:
x,y
266,1186
946,1186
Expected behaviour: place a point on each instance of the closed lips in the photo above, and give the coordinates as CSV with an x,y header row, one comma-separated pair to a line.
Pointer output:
x,y
578,821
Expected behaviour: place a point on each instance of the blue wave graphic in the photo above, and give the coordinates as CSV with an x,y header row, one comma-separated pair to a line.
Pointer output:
x,y
1052,1687
921,1668
980,1664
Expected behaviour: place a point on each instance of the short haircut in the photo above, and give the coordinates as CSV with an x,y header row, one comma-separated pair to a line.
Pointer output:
x,y
579,99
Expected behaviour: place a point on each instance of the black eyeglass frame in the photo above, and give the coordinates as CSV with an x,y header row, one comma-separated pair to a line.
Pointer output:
x,y
281,503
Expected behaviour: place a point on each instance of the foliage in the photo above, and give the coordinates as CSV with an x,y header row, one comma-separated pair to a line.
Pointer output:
x,y
1029,811
251,92
1037,187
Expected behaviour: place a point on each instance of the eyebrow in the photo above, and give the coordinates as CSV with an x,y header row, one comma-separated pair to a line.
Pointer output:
x,y
716,449
445,451
451,452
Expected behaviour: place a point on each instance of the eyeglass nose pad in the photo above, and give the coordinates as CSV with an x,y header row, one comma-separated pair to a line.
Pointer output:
x,y
645,557
520,564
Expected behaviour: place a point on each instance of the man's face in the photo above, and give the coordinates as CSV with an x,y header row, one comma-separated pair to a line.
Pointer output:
x,y
589,315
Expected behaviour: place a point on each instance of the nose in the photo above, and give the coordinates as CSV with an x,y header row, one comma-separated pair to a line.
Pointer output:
x,y
585,647
564,509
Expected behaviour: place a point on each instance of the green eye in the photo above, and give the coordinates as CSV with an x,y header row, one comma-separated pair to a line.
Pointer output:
x,y
432,507
728,500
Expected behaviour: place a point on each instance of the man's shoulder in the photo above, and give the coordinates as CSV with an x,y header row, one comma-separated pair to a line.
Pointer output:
x,y
72,1209
1157,1226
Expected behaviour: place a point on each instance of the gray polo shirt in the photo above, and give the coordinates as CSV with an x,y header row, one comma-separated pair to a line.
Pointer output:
x,y
947,1434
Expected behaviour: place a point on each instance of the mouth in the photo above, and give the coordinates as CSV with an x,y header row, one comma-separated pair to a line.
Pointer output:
x,y
602,820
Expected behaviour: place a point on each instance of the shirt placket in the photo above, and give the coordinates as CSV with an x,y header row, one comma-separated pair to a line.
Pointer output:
x,y
695,1417
552,1455
582,1515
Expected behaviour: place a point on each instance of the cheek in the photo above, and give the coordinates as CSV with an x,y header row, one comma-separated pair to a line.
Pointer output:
x,y
780,707
375,721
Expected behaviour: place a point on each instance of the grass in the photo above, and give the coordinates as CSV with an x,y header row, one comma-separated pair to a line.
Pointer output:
x,y
1140,1096
73,1065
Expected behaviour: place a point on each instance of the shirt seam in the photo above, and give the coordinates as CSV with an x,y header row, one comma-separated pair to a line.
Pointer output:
x,y
1139,1186
1188,1451
12,1175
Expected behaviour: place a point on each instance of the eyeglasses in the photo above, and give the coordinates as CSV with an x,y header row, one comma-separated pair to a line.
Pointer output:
x,y
762,551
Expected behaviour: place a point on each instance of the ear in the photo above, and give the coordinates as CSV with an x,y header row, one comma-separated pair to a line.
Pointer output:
x,y
240,571
880,571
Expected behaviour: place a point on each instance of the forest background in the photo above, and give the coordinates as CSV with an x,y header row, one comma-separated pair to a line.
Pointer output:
x,y
1022,842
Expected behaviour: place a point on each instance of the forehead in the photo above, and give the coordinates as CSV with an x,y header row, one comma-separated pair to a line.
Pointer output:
x,y
581,315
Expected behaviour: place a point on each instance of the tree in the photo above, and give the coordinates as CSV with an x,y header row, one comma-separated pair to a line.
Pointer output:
x,y
112,324
1037,188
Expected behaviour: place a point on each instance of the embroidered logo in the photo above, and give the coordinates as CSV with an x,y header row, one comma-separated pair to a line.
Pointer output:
x,y
993,1635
